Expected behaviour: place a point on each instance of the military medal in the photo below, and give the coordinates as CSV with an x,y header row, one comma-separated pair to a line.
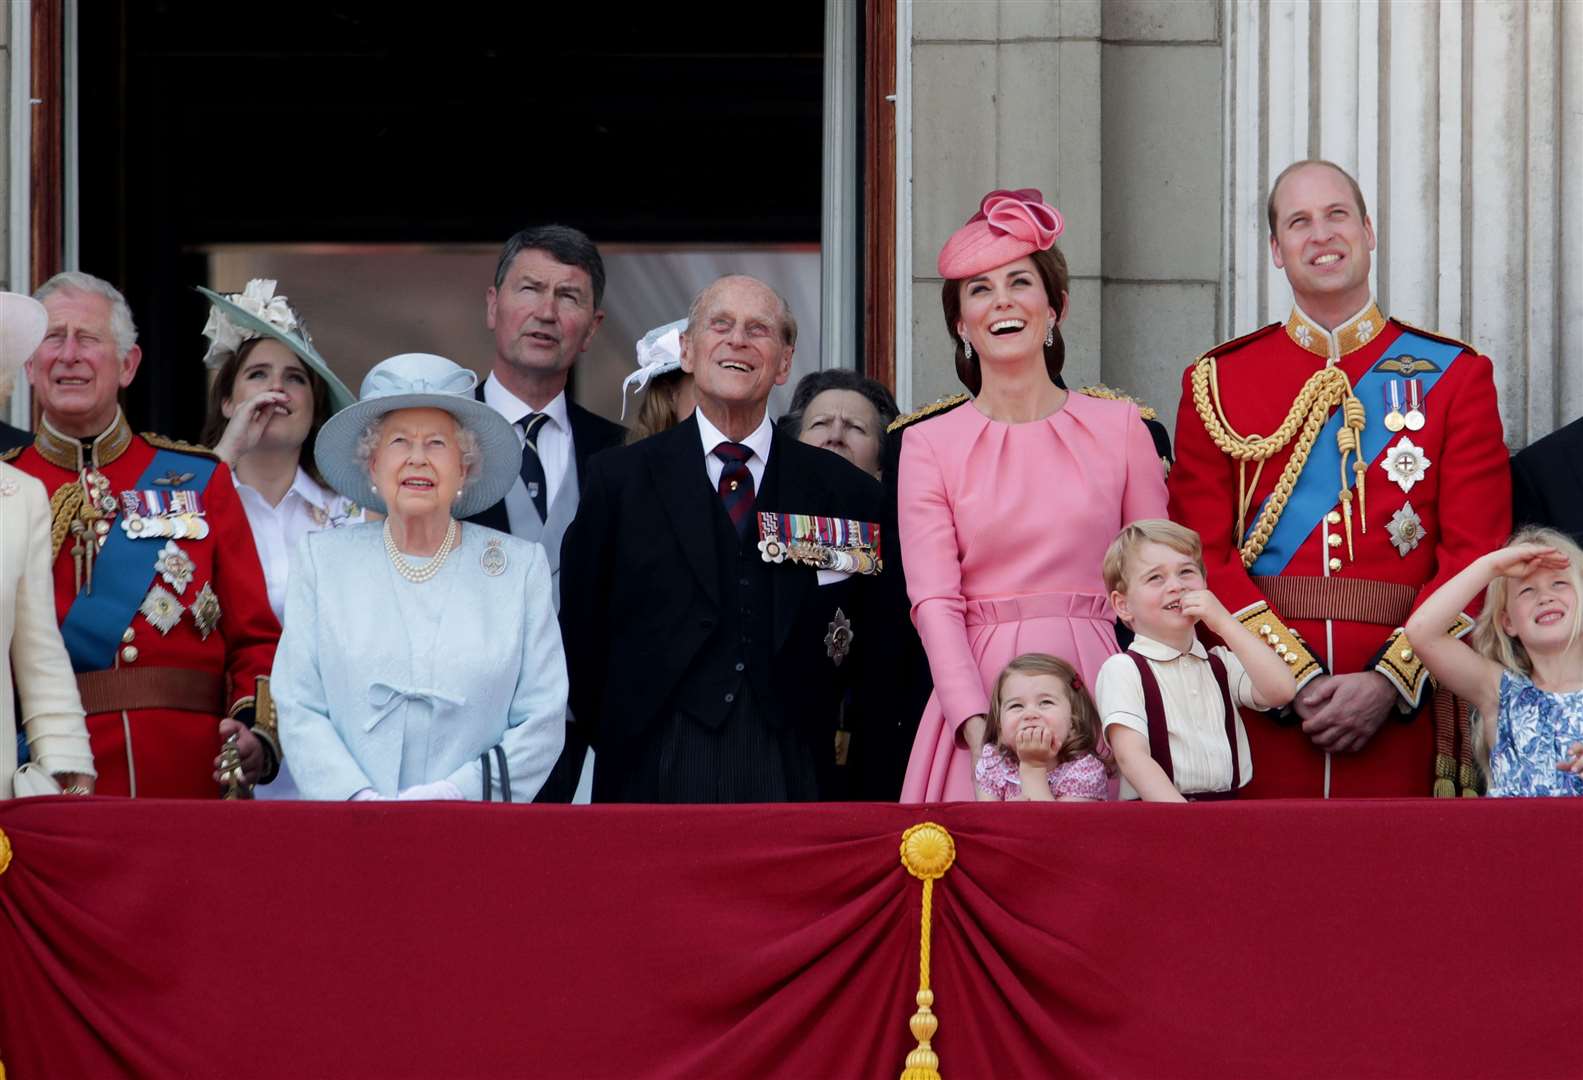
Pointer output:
x,y
93,506
1405,463
838,638
1415,411
1394,421
175,567
206,610
824,543
161,609
1406,529
493,560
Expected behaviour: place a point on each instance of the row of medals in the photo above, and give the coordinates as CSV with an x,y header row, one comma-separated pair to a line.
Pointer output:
x,y
91,526
1395,396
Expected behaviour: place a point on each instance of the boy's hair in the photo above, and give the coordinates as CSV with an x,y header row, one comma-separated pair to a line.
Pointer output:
x,y
1084,736
1495,643
1178,538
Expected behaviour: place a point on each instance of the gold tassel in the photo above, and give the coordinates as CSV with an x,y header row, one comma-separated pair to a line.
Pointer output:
x,y
927,851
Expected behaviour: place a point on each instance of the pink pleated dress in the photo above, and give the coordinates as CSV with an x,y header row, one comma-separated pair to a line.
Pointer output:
x,y
1004,527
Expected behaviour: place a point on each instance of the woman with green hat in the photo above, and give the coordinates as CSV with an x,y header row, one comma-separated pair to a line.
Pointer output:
x,y
270,394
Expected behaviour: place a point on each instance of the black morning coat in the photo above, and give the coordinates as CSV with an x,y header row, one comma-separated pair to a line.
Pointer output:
x,y
641,601
1547,482
590,434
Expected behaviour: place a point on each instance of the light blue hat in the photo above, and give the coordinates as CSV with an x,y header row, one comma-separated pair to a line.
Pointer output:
x,y
420,381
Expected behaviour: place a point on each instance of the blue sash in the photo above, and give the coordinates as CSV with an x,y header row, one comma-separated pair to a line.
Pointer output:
x,y
1314,494
122,571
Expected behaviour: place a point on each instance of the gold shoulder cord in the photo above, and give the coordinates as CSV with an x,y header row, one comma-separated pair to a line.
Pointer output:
x,y
1324,390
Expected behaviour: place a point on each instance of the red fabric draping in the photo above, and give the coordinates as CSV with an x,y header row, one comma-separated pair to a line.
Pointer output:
x,y
1302,939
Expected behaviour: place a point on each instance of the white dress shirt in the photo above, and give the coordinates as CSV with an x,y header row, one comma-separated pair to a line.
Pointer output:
x,y
306,507
758,442
555,434
1195,717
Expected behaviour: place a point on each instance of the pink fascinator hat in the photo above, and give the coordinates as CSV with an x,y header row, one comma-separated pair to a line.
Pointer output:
x,y
1008,225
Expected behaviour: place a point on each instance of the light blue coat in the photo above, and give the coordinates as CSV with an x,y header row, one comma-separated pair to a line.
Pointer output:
x,y
383,683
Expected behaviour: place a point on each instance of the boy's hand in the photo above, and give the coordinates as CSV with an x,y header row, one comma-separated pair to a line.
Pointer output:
x,y
1205,606
1035,746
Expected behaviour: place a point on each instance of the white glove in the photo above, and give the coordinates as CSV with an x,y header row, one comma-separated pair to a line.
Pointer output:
x,y
368,794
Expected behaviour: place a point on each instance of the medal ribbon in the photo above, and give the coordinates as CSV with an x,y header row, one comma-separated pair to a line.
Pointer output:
x,y
123,570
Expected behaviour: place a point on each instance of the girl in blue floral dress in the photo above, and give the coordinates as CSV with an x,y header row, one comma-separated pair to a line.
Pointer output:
x,y
1525,668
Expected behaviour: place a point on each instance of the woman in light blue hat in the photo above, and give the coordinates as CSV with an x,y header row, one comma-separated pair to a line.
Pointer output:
x,y
421,657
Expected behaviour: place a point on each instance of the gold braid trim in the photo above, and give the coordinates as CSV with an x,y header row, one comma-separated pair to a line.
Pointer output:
x,y
166,443
1100,390
1265,625
13,453
948,402
64,506
1399,662
1325,389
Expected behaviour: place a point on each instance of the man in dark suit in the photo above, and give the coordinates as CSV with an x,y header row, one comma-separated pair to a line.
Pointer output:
x,y
1547,482
705,671
544,308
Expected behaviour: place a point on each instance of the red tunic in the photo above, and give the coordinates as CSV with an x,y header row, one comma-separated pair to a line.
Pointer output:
x,y
1462,505
169,752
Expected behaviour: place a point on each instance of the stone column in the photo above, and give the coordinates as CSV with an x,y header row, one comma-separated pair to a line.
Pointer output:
x,y
1464,127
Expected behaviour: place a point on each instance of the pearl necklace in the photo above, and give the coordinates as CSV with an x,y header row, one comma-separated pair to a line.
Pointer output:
x,y
419,575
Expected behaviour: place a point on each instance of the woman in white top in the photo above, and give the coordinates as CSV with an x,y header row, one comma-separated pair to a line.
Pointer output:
x,y
39,673
270,394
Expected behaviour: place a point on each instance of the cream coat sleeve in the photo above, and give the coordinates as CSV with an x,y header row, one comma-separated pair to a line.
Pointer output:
x,y
51,715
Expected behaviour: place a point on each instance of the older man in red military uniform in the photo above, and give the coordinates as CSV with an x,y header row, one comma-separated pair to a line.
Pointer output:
x,y
1340,467
157,583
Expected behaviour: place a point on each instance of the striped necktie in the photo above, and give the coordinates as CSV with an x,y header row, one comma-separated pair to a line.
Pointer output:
x,y
736,484
532,467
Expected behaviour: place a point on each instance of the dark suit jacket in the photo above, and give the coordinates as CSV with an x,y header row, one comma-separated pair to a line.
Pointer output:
x,y
640,590
1547,482
13,437
591,433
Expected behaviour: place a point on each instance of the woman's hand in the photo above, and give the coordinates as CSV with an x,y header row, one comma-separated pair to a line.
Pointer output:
x,y
75,783
247,425
1520,560
973,733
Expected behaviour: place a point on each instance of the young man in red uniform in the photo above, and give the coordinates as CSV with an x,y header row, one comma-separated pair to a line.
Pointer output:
x,y
1340,467
157,583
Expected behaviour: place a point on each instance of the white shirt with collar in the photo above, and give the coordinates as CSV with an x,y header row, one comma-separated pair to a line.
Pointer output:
x,y
306,507
1195,717
555,434
758,442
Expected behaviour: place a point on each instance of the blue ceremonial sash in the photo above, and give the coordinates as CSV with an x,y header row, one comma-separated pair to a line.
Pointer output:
x,y
1316,489
122,571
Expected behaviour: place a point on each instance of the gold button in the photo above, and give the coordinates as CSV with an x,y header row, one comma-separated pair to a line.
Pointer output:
x,y
1290,658
1265,628
1407,654
1280,650
126,636
1335,564
1335,540
1334,517
1273,639
129,654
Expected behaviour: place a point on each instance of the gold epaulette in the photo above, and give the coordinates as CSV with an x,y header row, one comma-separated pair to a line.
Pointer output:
x,y
949,402
1263,622
13,453
1102,391
1400,664
1433,335
165,443
1238,342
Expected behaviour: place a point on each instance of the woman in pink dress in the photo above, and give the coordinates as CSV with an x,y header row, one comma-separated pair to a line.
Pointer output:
x,y
1006,504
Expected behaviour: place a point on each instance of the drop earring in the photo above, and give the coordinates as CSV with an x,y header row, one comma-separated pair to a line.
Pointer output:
x,y
1049,335
967,348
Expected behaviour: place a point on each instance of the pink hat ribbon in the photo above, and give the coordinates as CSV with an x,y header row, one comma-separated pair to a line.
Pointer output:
x,y
1008,225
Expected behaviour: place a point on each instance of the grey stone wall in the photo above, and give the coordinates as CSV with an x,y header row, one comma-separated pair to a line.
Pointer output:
x,y
5,158
1114,111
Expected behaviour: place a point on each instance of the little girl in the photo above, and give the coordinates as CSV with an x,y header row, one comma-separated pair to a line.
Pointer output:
x,y
1041,736
1526,677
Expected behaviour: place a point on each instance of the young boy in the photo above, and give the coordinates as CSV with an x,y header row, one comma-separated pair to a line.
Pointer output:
x,y
1168,705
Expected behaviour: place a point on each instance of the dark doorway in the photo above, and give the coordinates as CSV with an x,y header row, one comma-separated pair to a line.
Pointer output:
x,y
354,122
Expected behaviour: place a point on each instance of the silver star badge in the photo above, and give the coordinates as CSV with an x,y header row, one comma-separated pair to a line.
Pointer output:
x,y
1406,529
161,609
175,567
1405,463
206,610
838,639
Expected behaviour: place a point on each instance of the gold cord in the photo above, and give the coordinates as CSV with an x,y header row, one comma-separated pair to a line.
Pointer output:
x,y
64,507
1324,391
927,851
